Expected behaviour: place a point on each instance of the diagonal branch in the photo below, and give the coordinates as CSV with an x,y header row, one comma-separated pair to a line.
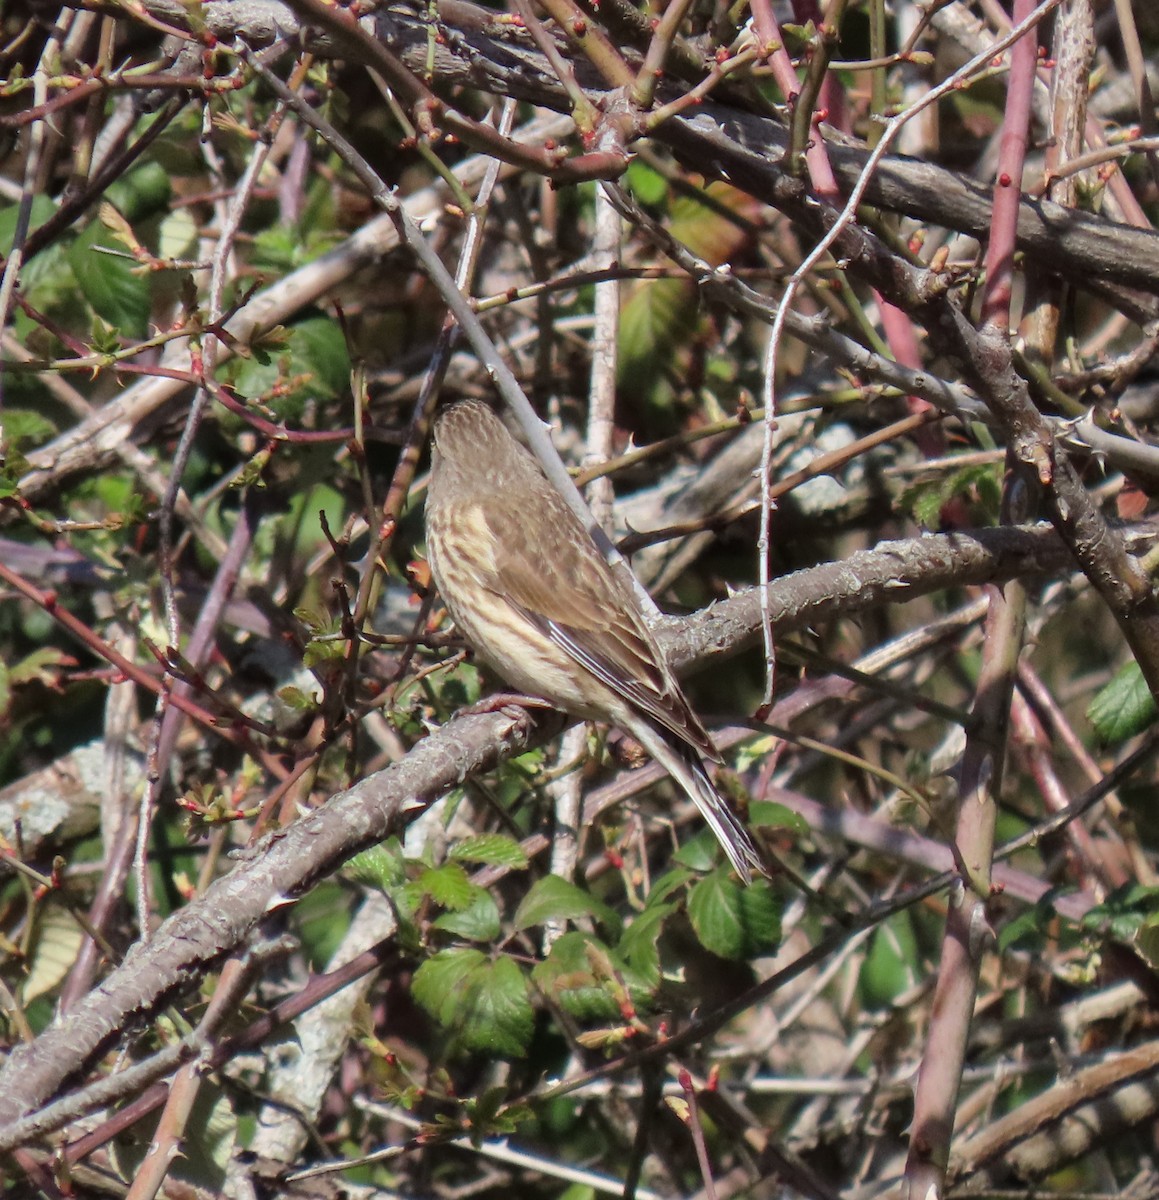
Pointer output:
x,y
286,864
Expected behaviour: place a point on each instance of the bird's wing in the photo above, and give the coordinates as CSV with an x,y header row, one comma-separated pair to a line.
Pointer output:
x,y
571,594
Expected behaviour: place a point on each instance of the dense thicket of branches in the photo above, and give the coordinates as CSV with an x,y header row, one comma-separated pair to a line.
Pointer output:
x,y
846,314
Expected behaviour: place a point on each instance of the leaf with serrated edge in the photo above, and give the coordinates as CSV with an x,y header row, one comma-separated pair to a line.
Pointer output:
x,y
734,921
58,941
490,850
554,899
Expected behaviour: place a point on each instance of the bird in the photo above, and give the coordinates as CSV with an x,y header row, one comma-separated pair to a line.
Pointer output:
x,y
538,602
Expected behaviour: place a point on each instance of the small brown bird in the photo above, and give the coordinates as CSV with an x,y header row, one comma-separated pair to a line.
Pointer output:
x,y
536,599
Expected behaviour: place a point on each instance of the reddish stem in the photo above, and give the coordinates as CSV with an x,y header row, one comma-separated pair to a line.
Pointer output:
x,y
1008,185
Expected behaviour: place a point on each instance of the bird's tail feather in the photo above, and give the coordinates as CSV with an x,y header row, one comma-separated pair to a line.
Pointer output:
x,y
687,767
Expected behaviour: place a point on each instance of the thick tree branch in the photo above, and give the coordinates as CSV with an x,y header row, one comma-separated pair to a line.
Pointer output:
x,y
287,863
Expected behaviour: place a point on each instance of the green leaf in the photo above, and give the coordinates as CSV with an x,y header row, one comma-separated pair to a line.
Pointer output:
x,y
498,1017
297,700
732,920
554,899
448,886
209,1138
484,1004
42,208
1122,913
661,318
656,318
326,649
461,686
1146,941
276,249
209,1135
979,485
1124,707
323,917
41,665
382,866
777,816
103,337
142,192
580,1191
177,237
437,981
699,853
926,505
646,184
1027,930
108,282
252,378
755,751
288,366
320,348
281,249
890,965
266,344
46,279
579,975
671,881
491,850
24,428
479,921
484,1119
639,947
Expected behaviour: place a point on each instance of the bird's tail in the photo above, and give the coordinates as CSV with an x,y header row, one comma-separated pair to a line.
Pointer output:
x,y
686,766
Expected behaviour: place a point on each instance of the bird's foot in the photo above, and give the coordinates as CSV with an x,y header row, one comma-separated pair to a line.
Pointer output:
x,y
501,701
